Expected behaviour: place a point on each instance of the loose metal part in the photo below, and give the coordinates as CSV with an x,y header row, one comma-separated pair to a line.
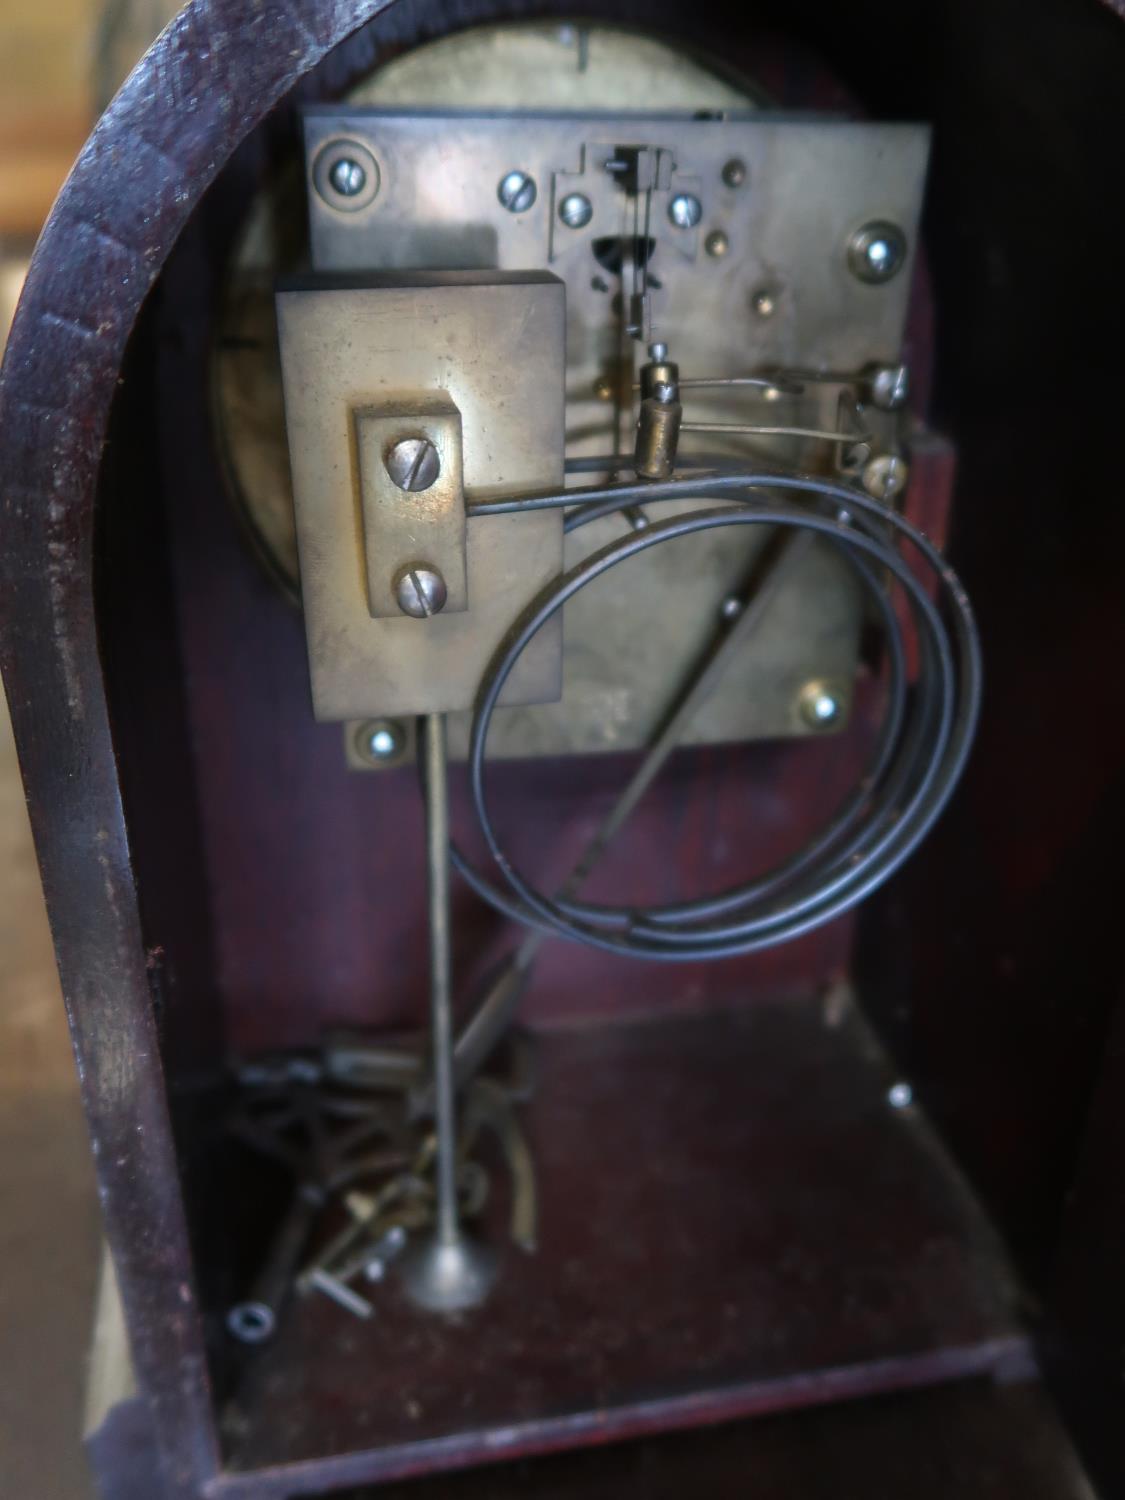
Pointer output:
x,y
517,191
364,1210
717,244
413,464
420,591
448,1271
412,1211
359,1063
900,1095
576,210
341,1293
490,1107
255,1319
877,252
820,707
387,1247
685,210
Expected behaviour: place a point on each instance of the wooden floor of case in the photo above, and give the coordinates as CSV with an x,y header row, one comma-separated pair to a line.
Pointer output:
x,y
733,1221
972,1441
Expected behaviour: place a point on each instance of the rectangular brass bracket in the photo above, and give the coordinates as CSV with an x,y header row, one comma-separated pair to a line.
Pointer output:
x,y
475,360
423,524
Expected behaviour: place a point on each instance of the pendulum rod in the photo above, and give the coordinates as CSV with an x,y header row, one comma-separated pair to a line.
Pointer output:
x,y
436,783
448,1271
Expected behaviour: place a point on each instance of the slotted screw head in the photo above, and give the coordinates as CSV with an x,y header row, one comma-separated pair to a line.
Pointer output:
x,y
885,476
420,591
890,387
517,191
576,210
413,464
348,177
685,210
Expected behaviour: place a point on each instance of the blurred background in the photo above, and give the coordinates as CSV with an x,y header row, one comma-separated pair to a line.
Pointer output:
x,y
60,61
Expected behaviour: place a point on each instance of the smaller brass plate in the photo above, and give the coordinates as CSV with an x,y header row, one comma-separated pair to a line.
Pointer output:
x,y
491,346
402,528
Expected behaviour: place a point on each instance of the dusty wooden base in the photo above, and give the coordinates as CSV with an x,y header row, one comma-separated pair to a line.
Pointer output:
x,y
734,1220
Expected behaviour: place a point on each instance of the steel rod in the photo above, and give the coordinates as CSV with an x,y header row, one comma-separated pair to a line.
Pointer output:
x,y
750,429
255,1319
491,1017
782,385
755,598
448,1271
436,782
